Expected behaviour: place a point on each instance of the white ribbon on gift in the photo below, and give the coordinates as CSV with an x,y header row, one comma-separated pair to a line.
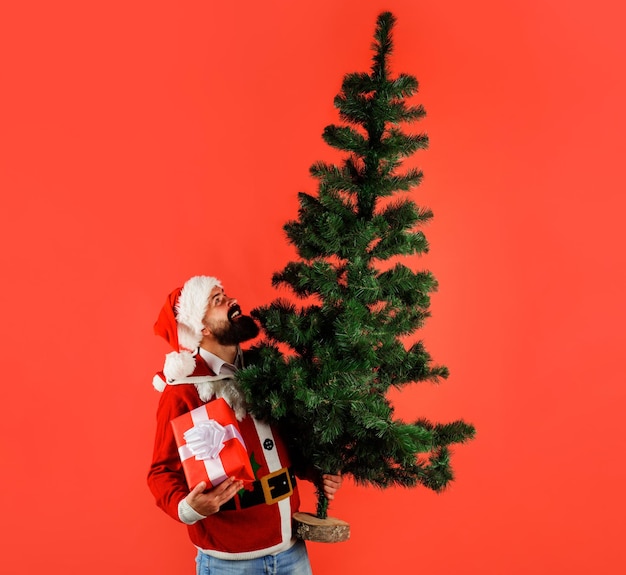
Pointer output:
x,y
205,440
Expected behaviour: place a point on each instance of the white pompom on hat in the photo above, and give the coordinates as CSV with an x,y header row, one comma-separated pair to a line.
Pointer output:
x,y
180,324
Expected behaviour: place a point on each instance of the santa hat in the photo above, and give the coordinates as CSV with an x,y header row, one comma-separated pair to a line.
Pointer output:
x,y
180,324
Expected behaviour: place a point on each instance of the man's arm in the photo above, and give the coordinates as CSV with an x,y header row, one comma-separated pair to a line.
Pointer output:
x,y
166,478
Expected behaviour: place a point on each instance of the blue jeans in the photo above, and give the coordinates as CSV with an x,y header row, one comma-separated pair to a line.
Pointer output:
x,y
294,561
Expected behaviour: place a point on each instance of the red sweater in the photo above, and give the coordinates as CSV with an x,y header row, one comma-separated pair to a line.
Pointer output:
x,y
234,534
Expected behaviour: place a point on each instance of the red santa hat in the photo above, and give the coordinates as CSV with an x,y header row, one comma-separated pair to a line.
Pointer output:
x,y
180,324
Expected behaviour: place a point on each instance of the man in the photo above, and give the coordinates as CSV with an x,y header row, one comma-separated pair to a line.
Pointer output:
x,y
235,531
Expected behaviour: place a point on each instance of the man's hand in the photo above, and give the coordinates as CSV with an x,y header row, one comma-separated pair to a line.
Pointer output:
x,y
331,483
209,502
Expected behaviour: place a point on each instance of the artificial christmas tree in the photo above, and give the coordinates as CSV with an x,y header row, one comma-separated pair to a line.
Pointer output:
x,y
327,361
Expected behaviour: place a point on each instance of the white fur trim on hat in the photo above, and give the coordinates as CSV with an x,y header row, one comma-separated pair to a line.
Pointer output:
x,y
191,309
178,365
158,382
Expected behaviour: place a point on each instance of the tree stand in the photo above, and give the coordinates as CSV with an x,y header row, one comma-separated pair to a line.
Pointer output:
x,y
312,528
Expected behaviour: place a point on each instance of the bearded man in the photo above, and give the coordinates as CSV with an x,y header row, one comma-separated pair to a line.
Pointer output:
x,y
236,531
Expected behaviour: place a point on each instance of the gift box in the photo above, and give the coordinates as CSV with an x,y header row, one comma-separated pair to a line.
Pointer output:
x,y
210,445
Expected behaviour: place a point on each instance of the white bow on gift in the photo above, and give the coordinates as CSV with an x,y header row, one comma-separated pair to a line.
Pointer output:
x,y
206,439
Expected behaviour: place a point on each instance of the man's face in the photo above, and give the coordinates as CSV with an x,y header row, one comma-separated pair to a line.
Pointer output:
x,y
224,320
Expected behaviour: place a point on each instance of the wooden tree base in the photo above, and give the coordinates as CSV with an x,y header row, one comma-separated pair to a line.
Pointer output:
x,y
312,528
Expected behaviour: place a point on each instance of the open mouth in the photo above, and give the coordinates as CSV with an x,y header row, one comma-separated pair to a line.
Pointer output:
x,y
234,312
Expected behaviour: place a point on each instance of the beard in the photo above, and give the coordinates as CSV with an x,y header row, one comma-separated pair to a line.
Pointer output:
x,y
236,330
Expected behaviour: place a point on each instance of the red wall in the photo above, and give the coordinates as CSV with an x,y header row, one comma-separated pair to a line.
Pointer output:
x,y
145,142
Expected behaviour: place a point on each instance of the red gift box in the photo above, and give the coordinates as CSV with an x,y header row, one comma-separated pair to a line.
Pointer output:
x,y
210,445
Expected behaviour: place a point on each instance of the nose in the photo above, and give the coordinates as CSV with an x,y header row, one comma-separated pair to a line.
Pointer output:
x,y
232,301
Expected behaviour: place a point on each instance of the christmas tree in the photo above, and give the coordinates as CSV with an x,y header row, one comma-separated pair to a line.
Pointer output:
x,y
331,354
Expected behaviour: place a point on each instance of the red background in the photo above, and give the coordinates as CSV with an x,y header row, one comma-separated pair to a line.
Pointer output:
x,y
145,142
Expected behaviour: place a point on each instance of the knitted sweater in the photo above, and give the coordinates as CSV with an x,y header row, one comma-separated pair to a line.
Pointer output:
x,y
229,534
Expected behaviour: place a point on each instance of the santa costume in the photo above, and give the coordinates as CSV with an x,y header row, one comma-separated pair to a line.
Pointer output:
x,y
257,521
